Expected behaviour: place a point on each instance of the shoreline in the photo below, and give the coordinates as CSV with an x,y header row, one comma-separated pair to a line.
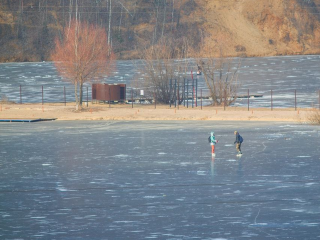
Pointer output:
x,y
125,112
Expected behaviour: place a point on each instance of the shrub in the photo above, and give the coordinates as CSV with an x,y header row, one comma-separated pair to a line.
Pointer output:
x,y
314,117
3,99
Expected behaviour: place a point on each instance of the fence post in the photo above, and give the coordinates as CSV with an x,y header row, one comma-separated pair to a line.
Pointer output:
x,y
192,91
155,101
175,93
87,97
170,86
319,99
187,93
197,92
109,97
295,100
178,95
20,96
248,100
201,98
64,94
271,101
225,100
184,92
132,97
42,94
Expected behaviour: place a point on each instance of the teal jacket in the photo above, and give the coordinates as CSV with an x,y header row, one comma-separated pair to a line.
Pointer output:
x,y
212,139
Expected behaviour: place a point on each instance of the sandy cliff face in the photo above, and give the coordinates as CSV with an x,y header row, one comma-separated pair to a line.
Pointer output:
x,y
258,28
239,27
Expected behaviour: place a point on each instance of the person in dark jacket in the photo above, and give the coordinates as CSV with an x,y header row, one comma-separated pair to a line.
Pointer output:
x,y
238,142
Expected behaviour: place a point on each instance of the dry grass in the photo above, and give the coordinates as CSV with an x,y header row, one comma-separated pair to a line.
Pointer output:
x,y
314,117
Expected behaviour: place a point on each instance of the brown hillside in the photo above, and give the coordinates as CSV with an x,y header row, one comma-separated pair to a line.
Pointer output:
x,y
259,28
240,27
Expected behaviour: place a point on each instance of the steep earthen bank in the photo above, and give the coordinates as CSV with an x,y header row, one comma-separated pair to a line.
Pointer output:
x,y
242,27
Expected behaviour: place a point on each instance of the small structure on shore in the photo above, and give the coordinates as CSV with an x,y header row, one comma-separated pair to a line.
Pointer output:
x,y
109,92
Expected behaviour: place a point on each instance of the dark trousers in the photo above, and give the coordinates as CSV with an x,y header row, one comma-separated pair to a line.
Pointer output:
x,y
238,147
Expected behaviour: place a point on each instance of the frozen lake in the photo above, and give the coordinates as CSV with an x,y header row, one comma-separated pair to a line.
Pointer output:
x,y
282,74
157,180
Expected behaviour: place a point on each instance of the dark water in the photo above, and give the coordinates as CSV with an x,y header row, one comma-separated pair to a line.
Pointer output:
x,y
157,180
283,75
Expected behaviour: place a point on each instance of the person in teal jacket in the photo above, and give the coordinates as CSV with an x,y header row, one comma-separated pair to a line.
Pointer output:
x,y
212,140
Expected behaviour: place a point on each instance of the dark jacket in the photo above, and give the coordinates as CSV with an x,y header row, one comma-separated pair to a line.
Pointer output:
x,y
237,138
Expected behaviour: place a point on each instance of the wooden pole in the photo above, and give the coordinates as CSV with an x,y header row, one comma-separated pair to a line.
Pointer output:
x,y
184,92
224,103
187,93
20,95
271,101
109,97
175,93
201,98
178,95
170,89
248,100
319,99
295,100
197,92
42,94
64,94
192,91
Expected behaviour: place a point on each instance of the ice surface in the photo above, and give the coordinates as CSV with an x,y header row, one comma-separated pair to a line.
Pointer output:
x,y
141,180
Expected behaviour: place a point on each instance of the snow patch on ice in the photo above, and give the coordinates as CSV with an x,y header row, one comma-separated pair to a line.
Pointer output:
x,y
201,173
310,224
121,156
310,184
293,210
185,163
151,197
46,164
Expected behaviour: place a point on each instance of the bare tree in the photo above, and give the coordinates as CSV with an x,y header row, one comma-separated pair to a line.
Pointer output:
x,y
82,55
167,61
221,76
172,15
109,26
164,17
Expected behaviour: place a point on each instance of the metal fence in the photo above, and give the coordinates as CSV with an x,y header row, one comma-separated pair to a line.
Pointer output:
x,y
189,96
